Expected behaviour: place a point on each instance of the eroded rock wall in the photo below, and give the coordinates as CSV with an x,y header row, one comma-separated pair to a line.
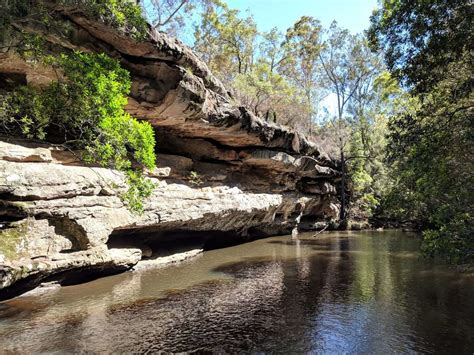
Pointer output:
x,y
57,216
254,178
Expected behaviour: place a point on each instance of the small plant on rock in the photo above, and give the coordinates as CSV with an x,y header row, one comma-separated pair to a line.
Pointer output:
x,y
195,178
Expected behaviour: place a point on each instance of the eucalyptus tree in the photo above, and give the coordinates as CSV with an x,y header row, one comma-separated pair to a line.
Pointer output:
x,y
164,13
271,49
343,64
225,40
172,16
301,48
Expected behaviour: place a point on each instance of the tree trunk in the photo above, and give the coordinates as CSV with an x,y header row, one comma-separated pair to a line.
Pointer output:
x,y
342,213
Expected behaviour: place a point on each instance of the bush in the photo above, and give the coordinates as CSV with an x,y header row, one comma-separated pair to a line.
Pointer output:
x,y
453,240
84,109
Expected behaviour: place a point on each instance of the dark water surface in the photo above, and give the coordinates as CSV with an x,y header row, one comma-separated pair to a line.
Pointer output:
x,y
337,293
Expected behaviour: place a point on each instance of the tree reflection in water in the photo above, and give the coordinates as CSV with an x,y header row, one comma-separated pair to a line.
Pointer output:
x,y
353,292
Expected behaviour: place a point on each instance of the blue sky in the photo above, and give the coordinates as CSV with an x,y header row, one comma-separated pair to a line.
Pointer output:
x,y
351,14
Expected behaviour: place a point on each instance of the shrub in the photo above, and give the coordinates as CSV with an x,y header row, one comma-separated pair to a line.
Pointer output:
x,y
84,109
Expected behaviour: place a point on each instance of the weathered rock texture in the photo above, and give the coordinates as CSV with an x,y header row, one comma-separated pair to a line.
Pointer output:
x,y
61,220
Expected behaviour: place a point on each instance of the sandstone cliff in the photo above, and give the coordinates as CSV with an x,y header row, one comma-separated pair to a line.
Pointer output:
x,y
64,221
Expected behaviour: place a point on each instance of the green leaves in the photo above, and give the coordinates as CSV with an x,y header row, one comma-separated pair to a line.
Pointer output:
x,y
124,15
454,240
119,134
420,38
225,40
85,110
428,45
25,112
140,188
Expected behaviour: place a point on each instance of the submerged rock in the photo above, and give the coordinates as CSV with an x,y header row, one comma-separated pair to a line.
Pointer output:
x,y
162,261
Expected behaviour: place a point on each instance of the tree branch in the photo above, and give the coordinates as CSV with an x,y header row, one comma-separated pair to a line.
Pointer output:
x,y
160,24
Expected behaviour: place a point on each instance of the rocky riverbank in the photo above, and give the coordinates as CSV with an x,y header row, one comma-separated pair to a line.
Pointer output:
x,y
222,174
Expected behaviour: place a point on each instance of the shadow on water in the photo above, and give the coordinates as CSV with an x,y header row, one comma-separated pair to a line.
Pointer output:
x,y
357,294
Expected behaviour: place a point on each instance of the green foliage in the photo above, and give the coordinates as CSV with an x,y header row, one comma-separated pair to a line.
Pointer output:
x,y
195,178
262,90
356,131
84,109
226,41
302,45
431,150
124,15
300,65
428,45
420,38
257,66
362,186
171,16
139,189
454,239
25,112
368,174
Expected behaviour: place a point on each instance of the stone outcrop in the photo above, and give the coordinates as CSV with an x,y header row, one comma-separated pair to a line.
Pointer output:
x,y
221,171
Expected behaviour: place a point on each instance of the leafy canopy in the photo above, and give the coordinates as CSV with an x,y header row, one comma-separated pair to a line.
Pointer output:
x,y
420,38
429,46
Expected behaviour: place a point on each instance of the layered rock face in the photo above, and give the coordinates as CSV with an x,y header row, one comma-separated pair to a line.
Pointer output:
x,y
222,173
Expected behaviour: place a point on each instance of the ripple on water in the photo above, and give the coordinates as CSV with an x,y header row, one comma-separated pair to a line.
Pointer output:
x,y
337,295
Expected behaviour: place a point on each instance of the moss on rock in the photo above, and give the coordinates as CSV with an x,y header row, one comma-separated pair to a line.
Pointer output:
x,y
10,240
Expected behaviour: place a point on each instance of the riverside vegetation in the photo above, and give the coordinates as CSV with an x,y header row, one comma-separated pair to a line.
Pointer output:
x,y
402,129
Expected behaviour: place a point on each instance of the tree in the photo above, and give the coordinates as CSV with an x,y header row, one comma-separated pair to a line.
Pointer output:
x,y
345,70
172,16
421,38
252,64
164,12
226,41
364,94
260,88
301,49
428,45
271,49
369,109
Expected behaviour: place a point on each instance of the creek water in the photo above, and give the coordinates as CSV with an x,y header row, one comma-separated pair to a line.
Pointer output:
x,y
355,292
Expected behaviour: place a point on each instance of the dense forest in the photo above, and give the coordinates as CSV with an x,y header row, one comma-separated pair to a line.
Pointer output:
x,y
401,128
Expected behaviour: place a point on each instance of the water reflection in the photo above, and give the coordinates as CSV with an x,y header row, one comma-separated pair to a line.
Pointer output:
x,y
338,293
